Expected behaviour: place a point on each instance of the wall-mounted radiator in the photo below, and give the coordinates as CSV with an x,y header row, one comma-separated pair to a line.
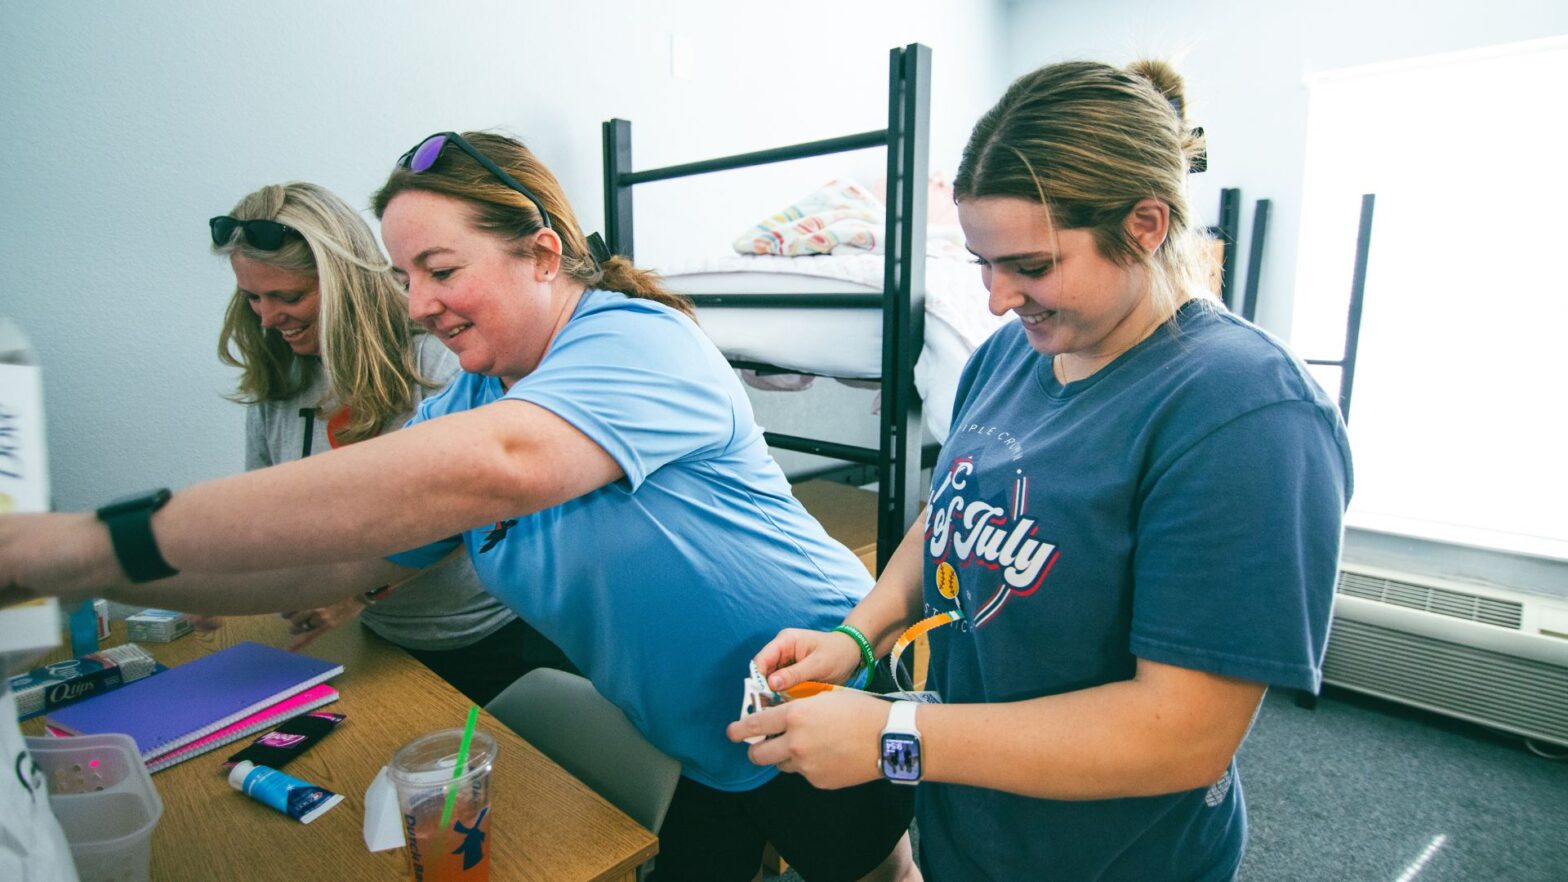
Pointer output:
x,y
1488,655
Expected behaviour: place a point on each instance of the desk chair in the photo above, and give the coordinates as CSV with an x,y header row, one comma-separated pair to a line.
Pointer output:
x,y
568,720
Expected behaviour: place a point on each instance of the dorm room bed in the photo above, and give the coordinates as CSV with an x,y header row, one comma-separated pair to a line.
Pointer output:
x,y
844,344
890,292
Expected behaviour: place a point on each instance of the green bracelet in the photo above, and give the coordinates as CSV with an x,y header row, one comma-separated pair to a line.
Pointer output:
x,y
868,659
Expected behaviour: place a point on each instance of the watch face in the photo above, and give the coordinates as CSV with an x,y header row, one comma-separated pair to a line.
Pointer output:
x,y
901,757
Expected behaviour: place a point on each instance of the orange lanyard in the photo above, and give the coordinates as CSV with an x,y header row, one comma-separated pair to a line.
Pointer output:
x,y
924,626
759,694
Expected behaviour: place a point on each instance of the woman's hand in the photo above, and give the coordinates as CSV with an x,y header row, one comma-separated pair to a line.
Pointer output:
x,y
312,623
832,739
795,656
204,624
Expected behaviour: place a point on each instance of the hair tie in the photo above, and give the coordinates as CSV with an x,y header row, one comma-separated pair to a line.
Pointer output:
x,y
599,251
1199,162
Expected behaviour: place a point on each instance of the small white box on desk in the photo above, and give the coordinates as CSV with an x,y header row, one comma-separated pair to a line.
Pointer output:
x,y
157,626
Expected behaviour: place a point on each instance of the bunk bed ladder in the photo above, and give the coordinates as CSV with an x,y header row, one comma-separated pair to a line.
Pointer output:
x,y
617,190
898,460
903,307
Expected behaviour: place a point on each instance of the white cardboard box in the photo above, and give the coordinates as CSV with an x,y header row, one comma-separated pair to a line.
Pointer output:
x,y
32,627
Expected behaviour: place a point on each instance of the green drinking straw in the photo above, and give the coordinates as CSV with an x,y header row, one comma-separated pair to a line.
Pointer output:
x,y
462,763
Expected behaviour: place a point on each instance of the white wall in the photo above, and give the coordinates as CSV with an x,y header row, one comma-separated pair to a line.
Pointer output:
x,y
129,123
1245,64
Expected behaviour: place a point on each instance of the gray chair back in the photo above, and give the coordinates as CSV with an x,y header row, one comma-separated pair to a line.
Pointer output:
x,y
568,720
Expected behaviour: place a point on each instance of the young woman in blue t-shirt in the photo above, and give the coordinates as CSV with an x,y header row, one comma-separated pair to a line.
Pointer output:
x,y
1132,531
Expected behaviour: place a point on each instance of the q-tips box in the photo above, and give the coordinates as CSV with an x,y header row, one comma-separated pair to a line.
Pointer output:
x,y
74,679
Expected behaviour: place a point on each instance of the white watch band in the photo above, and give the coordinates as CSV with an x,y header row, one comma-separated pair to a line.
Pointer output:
x,y
901,717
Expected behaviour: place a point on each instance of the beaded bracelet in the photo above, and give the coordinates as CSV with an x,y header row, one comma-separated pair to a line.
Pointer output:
x,y
868,659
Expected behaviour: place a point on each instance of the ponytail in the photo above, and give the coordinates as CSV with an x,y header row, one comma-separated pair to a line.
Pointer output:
x,y
620,274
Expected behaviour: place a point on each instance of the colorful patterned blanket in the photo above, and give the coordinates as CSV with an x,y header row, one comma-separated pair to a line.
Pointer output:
x,y
839,217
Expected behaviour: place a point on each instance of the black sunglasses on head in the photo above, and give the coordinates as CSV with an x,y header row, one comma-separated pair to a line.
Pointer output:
x,y
426,152
268,235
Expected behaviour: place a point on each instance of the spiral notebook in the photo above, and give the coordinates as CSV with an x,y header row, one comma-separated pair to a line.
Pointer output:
x,y
196,699
316,696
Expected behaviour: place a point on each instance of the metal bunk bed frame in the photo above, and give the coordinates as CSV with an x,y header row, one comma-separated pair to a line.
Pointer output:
x,y
906,137
1228,232
1358,286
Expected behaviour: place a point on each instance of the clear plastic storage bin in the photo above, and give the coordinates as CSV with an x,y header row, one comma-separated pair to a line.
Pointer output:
x,y
106,803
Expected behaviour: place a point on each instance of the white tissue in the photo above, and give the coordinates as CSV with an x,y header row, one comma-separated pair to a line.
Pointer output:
x,y
383,824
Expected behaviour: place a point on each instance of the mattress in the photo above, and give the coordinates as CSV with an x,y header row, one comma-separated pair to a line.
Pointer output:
x,y
841,343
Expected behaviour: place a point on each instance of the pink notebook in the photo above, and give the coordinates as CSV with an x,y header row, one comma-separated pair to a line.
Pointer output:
x,y
273,715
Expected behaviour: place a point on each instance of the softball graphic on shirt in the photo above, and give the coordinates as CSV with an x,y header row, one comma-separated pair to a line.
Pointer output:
x,y
947,581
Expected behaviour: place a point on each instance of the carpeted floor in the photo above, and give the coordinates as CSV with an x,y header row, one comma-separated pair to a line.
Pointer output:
x,y
1363,789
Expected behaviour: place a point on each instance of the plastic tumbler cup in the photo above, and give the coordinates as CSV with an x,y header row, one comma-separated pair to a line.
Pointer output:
x,y
421,771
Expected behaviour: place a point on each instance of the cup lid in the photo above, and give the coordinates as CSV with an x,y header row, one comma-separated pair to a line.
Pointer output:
x,y
431,758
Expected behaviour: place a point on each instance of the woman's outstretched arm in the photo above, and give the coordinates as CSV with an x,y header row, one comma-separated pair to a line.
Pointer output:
x,y
378,497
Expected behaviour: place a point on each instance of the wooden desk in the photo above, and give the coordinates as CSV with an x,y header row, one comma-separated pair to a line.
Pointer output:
x,y
546,824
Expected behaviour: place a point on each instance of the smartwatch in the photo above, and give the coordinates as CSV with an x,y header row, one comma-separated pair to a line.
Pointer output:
x,y
130,530
900,754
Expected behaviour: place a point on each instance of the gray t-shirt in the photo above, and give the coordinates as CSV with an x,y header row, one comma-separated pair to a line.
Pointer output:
x,y
446,608
1183,505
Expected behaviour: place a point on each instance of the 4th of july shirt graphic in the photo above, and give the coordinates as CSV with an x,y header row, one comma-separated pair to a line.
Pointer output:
x,y
986,548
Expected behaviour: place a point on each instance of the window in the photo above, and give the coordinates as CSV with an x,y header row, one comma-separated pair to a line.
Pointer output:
x,y
1457,418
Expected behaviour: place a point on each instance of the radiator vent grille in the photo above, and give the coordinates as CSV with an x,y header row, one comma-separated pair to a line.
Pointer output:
x,y
1516,694
1440,601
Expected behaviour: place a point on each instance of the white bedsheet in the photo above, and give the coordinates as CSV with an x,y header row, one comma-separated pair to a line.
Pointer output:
x,y
844,343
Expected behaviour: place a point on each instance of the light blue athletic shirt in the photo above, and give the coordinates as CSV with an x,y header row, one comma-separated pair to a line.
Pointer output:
x,y
662,585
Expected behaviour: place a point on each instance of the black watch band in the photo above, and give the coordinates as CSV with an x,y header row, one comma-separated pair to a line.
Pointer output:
x,y
130,530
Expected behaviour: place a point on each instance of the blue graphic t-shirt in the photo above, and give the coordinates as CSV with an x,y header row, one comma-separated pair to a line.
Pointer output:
x,y
660,586
1182,505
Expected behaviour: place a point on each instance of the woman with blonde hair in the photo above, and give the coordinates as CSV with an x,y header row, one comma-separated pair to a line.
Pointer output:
x,y
1132,531
597,459
328,357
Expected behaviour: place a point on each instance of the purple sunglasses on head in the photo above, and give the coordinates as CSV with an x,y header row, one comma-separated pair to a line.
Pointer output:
x,y
426,152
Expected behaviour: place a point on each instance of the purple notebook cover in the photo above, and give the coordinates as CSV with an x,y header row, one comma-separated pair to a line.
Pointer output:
x,y
300,703
197,698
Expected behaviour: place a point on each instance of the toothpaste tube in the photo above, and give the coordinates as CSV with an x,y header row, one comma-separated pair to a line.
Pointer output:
x,y
301,801
61,683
